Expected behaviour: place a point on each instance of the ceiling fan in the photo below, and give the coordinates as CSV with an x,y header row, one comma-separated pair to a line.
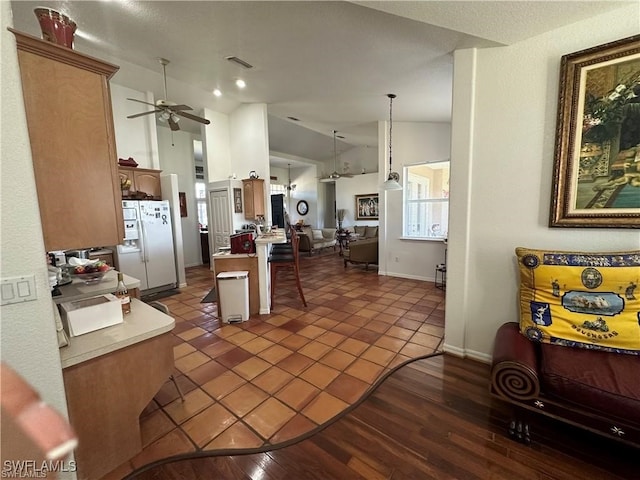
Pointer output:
x,y
167,111
335,175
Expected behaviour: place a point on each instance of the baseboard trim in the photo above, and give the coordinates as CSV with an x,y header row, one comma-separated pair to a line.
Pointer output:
x,y
409,277
464,353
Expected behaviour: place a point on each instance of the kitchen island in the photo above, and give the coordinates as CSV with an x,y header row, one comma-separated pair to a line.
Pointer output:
x,y
110,375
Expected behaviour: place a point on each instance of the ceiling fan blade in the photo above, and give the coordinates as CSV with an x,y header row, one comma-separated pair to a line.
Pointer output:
x,y
143,113
173,125
140,101
193,117
176,108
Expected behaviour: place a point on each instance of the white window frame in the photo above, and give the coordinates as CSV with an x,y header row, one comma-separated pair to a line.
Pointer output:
x,y
201,203
426,233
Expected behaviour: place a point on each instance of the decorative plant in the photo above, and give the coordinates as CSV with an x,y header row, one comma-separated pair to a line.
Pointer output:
x,y
341,212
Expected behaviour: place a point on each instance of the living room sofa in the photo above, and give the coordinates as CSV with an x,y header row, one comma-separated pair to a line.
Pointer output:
x,y
593,389
574,354
312,239
363,247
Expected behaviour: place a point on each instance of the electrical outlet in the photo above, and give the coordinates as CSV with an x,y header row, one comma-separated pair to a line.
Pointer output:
x,y
18,289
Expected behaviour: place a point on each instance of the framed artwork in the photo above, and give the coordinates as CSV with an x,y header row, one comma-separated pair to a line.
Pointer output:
x,y
367,207
183,204
237,200
596,180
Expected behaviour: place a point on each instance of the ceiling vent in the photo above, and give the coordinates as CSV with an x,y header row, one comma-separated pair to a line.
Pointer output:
x,y
239,61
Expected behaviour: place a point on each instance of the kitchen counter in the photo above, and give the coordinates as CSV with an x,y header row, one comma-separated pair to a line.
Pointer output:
x,y
142,323
78,290
263,245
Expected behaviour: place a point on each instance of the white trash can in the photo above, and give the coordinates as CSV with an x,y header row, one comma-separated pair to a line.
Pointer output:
x,y
233,295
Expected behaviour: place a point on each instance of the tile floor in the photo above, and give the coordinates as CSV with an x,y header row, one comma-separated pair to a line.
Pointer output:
x,y
276,377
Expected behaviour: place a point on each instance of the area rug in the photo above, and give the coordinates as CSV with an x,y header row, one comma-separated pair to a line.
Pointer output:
x,y
152,297
211,297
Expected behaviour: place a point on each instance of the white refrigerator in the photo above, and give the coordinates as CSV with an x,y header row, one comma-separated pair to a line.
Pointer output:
x,y
147,252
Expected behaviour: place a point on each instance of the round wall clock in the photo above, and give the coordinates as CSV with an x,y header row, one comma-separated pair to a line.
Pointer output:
x,y
302,207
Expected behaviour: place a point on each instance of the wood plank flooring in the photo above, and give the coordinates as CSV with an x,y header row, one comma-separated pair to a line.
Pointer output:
x,y
431,419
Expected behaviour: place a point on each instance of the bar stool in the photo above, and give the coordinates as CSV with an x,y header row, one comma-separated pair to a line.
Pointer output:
x,y
286,260
164,309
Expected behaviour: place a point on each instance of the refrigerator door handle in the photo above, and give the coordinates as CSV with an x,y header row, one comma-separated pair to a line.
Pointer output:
x,y
143,247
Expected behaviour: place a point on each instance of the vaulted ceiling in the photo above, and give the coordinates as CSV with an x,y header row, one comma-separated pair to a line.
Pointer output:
x,y
328,64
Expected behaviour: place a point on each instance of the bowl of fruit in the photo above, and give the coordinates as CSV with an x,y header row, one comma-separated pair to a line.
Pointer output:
x,y
89,271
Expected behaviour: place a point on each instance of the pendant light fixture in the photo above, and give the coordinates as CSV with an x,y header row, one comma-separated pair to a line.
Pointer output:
x,y
290,187
392,182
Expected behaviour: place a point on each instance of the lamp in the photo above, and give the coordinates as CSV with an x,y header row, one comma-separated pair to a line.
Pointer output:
x,y
392,180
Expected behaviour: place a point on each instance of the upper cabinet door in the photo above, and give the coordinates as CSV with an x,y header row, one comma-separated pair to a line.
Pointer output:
x,y
68,107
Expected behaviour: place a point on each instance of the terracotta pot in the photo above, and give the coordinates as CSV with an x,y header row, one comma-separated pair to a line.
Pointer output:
x,y
56,27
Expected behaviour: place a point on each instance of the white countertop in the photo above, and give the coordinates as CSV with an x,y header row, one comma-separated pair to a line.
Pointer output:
x,y
219,255
78,289
142,323
276,237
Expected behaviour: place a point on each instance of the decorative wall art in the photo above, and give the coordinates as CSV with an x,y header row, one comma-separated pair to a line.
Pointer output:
x,y
367,207
183,204
237,200
597,152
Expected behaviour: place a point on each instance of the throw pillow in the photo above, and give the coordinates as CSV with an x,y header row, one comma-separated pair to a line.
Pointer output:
x,y
317,234
360,230
371,232
581,299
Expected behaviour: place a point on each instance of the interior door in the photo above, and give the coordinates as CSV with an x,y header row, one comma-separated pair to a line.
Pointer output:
x,y
220,227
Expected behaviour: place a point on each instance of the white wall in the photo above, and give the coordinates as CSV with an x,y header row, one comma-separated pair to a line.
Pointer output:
x,y
135,137
412,143
346,191
502,164
306,181
358,158
176,156
216,151
28,340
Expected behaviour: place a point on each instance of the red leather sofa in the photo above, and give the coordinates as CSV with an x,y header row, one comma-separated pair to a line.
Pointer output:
x,y
592,389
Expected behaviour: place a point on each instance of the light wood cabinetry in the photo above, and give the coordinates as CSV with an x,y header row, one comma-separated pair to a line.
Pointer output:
x,y
143,180
68,107
253,198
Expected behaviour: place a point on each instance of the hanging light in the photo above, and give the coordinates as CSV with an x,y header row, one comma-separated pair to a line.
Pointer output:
x,y
335,175
392,182
290,188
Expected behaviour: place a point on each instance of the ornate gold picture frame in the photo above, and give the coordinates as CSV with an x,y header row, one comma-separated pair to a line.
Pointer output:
x,y
596,181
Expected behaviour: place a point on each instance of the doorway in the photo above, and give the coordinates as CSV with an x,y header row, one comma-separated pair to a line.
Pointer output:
x,y
220,228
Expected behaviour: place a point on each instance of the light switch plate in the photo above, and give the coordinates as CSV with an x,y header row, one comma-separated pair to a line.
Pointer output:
x,y
18,289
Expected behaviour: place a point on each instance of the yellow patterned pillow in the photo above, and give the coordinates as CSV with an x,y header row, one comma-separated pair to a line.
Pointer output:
x,y
581,299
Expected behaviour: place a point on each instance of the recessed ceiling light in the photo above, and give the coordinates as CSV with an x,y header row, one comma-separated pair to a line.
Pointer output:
x,y
240,83
217,93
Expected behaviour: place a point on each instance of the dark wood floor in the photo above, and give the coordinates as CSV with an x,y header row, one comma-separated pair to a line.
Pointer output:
x,y
432,419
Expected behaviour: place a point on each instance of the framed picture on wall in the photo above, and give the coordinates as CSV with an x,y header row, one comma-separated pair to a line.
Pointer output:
x,y
367,207
596,180
183,204
237,200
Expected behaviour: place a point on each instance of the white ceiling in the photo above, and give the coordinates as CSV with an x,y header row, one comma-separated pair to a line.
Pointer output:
x,y
330,64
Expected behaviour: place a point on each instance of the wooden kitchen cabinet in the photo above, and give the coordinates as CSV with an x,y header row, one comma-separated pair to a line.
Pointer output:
x,y
253,198
68,107
143,180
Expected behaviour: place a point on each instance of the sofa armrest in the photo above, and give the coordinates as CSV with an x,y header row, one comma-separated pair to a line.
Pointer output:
x,y
514,371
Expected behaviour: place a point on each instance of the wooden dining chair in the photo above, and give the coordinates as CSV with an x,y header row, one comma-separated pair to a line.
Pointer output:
x,y
279,260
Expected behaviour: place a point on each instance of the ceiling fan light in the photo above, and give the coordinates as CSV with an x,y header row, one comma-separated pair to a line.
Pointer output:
x,y
164,116
175,117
